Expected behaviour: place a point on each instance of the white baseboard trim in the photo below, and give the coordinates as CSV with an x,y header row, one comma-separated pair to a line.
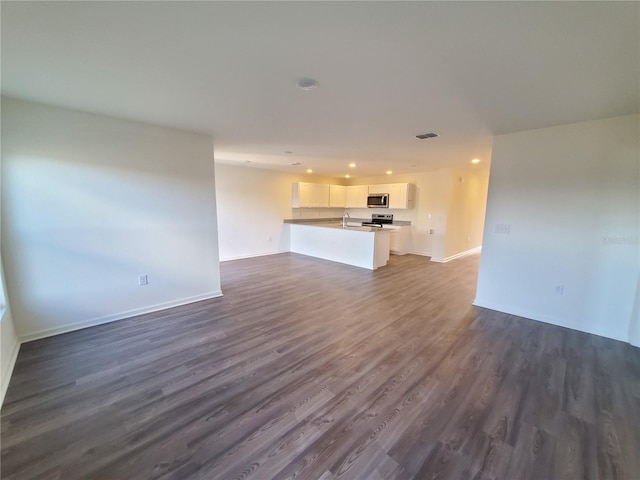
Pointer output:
x,y
116,316
471,251
8,369
242,257
539,317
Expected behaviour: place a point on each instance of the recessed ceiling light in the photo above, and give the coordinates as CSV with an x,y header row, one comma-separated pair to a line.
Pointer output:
x,y
424,136
389,172
352,165
287,152
295,164
307,83
309,170
347,176
247,161
475,160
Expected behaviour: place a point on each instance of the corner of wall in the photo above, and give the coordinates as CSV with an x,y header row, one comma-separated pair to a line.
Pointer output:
x,y
10,348
634,323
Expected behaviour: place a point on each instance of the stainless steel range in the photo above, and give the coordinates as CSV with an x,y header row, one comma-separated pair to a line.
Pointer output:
x,y
379,219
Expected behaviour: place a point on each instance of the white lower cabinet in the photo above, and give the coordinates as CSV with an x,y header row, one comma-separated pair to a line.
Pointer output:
x,y
400,242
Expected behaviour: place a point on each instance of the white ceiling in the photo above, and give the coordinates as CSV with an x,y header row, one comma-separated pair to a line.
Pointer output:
x,y
387,71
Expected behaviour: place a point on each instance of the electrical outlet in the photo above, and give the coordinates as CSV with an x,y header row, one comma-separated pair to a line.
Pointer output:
x,y
143,280
502,229
431,231
559,289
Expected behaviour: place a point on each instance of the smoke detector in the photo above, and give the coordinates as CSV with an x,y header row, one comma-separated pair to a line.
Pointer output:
x,y
307,84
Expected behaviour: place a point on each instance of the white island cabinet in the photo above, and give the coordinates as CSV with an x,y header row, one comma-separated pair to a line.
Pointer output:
x,y
357,246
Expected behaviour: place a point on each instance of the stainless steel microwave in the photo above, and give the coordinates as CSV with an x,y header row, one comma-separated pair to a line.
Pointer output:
x,y
378,200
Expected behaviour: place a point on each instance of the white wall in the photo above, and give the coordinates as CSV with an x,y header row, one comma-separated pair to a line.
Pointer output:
x,y
252,203
465,212
571,197
91,202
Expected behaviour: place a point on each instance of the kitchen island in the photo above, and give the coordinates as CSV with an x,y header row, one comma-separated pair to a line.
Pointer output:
x,y
359,246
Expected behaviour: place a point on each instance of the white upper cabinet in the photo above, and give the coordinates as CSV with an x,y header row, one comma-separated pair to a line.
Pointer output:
x,y
310,195
357,196
380,188
401,195
319,195
337,196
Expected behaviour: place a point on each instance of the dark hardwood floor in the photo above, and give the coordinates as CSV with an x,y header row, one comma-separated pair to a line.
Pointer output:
x,y
312,369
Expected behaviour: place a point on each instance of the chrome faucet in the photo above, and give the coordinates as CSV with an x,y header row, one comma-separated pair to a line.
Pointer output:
x,y
344,219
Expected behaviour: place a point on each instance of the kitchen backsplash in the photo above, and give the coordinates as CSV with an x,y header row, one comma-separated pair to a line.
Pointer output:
x,y
365,213
316,212
406,215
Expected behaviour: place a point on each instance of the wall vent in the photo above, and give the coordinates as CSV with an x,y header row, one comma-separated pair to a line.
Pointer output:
x,y
424,136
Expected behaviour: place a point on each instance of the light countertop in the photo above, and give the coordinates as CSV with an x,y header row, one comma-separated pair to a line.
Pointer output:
x,y
338,220
337,224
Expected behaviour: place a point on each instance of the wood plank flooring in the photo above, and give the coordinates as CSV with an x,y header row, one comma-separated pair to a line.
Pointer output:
x,y
315,370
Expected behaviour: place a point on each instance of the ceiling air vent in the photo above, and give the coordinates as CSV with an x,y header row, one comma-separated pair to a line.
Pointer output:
x,y
424,136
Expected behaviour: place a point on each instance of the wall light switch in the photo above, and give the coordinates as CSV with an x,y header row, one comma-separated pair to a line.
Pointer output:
x,y
559,289
143,280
